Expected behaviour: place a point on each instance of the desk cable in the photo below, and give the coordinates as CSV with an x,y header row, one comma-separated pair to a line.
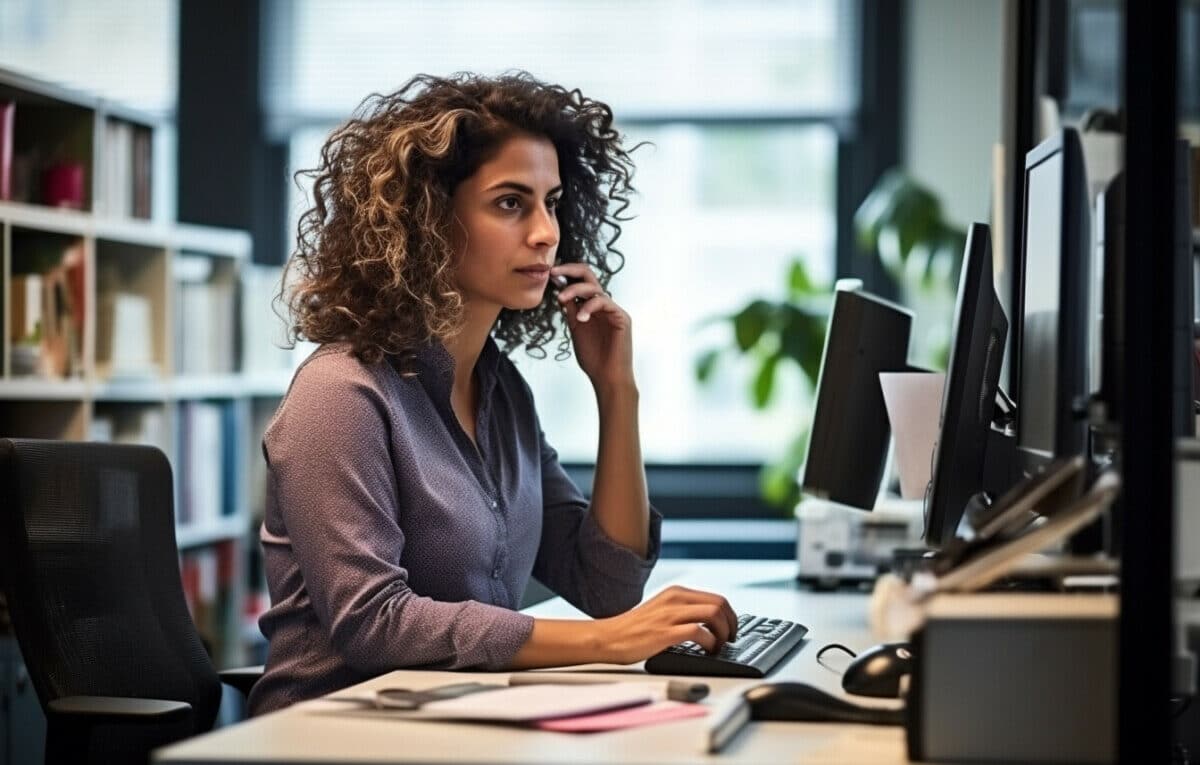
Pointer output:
x,y
833,647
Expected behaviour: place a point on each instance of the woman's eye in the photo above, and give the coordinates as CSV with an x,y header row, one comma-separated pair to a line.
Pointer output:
x,y
553,203
509,203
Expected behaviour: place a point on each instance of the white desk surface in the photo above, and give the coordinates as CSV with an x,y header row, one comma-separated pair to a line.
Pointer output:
x,y
306,734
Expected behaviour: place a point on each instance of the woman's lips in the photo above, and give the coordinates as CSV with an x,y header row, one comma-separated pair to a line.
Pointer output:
x,y
536,274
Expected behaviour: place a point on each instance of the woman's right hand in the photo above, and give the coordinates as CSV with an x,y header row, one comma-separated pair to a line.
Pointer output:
x,y
672,616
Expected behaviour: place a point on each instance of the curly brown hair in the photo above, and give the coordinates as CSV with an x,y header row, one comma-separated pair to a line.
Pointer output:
x,y
373,260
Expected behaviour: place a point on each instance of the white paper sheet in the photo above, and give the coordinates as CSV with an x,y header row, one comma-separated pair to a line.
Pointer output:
x,y
914,402
525,703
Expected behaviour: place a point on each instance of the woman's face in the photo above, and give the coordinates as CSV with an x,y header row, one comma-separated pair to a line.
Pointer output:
x,y
508,233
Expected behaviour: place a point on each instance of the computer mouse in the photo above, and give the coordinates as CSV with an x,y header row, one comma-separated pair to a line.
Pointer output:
x,y
799,702
877,671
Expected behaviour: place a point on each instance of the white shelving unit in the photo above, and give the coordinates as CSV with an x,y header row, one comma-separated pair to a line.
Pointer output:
x,y
120,326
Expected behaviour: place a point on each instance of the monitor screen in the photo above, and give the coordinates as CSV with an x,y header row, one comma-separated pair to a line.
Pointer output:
x,y
1052,342
1039,361
968,398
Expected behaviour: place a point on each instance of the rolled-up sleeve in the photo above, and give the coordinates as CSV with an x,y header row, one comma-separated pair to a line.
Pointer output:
x,y
337,492
577,559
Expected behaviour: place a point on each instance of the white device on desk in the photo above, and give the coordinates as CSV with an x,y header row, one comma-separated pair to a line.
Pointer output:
x,y
836,544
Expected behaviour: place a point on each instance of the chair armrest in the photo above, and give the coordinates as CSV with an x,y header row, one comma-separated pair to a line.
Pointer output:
x,y
241,678
117,709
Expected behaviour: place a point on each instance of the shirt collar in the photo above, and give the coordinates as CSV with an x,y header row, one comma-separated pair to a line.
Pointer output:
x,y
435,366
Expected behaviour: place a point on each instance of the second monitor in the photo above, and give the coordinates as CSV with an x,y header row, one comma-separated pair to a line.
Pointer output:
x,y
967,442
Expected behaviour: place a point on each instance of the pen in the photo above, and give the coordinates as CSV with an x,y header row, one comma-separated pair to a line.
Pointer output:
x,y
726,721
677,690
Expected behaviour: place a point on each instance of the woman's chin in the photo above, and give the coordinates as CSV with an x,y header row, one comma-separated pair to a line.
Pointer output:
x,y
524,303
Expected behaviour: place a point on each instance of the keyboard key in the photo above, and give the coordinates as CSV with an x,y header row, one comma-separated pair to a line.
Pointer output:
x,y
761,644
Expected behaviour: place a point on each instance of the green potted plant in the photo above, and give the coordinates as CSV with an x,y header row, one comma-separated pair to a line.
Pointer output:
x,y
773,332
901,223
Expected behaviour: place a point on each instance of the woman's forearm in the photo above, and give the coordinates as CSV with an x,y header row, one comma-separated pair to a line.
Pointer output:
x,y
620,504
561,642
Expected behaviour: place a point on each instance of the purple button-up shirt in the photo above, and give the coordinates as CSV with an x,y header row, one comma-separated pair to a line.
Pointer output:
x,y
390,540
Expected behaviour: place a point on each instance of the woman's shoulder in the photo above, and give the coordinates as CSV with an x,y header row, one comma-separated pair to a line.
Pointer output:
x,y
333,369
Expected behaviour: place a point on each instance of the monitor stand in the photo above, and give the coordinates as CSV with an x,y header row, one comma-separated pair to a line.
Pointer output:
x,y
1000,471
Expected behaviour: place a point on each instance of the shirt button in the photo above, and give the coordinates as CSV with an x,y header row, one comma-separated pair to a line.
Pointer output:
x,y
493,503
496,574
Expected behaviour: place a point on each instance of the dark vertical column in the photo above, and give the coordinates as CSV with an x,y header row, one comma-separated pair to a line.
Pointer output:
x,y
1150,103
1024,111
228,174
875,147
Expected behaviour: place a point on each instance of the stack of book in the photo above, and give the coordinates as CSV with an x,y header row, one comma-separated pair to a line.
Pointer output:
x,y
46,314
206,462
126,157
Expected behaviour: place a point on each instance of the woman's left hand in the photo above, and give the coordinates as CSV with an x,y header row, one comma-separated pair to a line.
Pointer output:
x,y
601,331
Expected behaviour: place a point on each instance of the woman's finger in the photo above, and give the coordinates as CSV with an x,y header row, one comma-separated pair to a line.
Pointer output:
x,y
709,615
687,595
702,637
579,290
595,304
575,271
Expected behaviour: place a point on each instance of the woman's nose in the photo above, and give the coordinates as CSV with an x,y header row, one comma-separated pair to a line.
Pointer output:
x,y
543,229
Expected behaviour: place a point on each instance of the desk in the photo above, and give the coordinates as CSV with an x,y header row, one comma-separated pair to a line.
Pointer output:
x,y
295,735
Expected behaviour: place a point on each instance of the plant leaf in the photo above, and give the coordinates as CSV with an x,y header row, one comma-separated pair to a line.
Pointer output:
x,y
779,481
916,217
876,210
750,323
799,283
706,363
802,339
764,381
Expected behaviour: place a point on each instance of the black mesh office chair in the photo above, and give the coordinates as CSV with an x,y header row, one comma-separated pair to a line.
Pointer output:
x,y
91,572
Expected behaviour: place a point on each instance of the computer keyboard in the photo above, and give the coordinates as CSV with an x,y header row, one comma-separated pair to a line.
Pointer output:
x,y
760,645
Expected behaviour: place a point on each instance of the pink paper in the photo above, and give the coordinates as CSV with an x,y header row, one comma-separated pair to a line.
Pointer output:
x,y
647,714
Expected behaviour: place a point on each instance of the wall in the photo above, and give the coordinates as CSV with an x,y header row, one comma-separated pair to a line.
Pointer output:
x,y
954,76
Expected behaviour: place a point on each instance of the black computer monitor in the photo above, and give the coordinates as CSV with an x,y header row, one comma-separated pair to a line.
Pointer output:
x,y
969,395
1051,363
847,446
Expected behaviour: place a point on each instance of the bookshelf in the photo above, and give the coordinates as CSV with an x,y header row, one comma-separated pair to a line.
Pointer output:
x,y
121,326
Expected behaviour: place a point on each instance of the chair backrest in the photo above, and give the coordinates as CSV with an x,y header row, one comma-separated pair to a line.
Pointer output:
x,y
91,572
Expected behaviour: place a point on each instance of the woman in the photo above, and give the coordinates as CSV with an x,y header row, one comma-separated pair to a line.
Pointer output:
x,y
411,491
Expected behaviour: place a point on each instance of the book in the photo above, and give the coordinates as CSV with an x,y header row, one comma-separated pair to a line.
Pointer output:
x,y
124,331
202,465
25,316
117,167
142,169
7,127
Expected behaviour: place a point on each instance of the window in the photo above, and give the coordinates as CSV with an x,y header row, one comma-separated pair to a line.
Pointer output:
x,y
72,42
741,101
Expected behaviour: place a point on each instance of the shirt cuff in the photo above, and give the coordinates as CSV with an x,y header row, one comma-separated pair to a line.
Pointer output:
x,y
499,634
616,561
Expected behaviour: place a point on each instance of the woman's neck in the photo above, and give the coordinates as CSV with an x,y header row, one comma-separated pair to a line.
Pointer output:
x,y
466,346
